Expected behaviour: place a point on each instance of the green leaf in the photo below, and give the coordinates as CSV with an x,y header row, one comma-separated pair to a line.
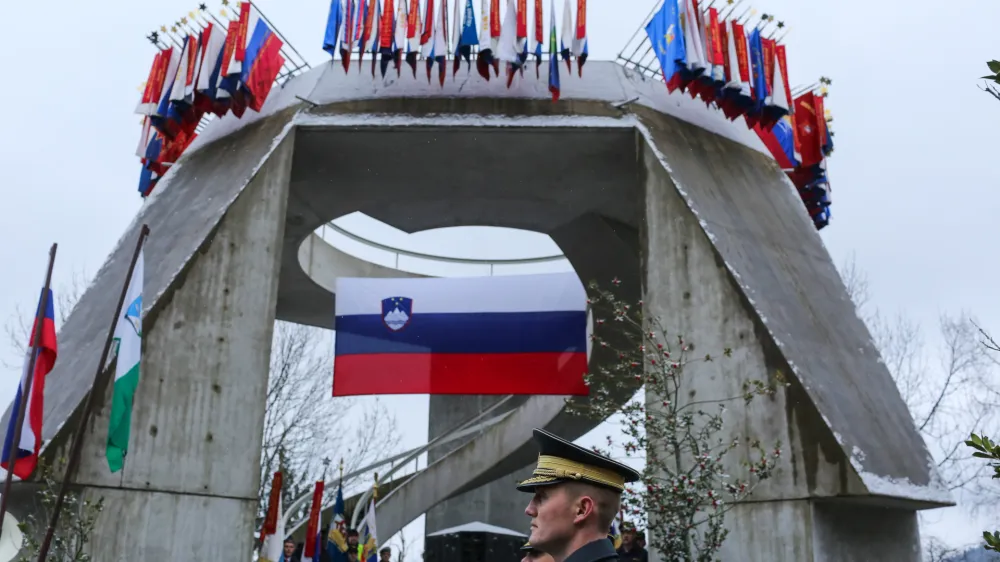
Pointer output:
x,y
994,66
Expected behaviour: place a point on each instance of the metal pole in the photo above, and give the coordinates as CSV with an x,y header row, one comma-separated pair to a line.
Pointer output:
x,y
22,406
77,447
280,34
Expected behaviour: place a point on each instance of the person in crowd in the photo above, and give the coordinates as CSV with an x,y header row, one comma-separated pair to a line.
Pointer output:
x,y
385,554
576,495
532,554
352,540
288,552
630,550
352,555
640,538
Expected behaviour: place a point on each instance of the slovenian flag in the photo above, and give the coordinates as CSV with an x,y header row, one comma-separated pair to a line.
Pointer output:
x,y
128,340
520,334
31,430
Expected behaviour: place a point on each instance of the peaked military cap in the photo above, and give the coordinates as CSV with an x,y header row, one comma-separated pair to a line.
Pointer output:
x,y
560,461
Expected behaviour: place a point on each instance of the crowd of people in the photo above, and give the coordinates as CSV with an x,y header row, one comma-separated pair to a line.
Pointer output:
x,y
292,551
575,499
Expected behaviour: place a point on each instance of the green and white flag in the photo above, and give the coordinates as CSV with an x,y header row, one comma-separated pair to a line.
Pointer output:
x,y
128,338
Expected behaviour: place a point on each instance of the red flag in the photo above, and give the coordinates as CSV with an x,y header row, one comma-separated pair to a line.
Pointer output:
x,y
230,49
522,19
494,18
265,70
820,119
366,33
807,128
743,59
581,19
717,57
412,17
428,24
768,45
348,40
312,529
385,34
270,525
539,24
241,32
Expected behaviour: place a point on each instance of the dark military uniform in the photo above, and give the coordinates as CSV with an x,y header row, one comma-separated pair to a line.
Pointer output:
x,y
596,551
560,461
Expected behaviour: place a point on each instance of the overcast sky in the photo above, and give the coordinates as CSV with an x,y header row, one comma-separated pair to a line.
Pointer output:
x,y
914,180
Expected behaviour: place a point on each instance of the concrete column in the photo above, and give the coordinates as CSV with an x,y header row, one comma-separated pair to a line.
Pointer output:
x,y
496,503
690,289
189,487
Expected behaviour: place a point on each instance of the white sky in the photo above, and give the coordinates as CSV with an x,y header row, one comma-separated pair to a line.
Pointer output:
x,y
913,173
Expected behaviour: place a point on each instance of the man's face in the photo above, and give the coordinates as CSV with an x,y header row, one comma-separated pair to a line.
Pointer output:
x,y
628,537
384,556
289,548
352,540
553,513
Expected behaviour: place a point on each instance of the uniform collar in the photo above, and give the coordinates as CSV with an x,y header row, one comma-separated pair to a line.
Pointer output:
x,y
601,549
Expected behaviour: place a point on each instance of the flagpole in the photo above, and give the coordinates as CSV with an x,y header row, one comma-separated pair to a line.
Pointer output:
x,y
22,406
77,447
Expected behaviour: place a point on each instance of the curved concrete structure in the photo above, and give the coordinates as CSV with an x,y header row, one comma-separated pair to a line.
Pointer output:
x,y
682,205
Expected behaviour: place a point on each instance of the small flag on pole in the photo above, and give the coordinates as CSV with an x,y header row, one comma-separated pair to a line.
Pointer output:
x,y
33,399
553,57
128,340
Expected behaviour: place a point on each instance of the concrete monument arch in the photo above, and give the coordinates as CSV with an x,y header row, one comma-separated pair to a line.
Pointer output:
x,y
684,206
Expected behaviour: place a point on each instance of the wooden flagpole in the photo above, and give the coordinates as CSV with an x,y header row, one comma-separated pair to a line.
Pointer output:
x,y
22,406
99,377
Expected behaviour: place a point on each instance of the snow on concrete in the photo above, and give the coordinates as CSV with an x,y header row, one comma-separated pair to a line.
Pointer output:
x,y
602,81
461,120
478,527
934,491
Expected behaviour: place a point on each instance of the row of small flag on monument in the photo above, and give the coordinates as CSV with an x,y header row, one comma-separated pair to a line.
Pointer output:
x,y
335,544
745,74
214,67
407,31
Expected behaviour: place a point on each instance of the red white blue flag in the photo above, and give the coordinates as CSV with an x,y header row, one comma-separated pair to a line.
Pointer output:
x,y
31,431
520,334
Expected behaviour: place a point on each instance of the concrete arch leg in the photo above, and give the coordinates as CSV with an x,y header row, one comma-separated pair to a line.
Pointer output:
x,y
200,401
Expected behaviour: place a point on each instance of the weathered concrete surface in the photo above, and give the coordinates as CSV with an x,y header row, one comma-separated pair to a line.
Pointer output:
x,y
708,291
746,215
199,407
182,214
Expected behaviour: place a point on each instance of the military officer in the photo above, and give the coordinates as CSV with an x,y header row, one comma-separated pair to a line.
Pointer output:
x,y
576,496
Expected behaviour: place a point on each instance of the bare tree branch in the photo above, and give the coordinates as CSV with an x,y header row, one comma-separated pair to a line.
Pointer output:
x,y
947,382
856,283
303,425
